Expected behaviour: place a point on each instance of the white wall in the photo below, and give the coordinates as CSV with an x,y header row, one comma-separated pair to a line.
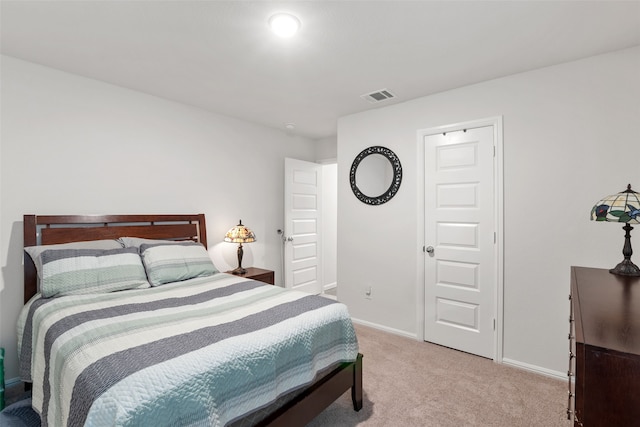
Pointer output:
x,y
326,149
570,138
329,225
72,145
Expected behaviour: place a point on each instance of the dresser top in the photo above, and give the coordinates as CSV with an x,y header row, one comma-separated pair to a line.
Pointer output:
x,y
606,309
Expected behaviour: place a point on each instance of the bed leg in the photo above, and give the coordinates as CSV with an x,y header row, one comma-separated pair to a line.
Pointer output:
x,y
356,389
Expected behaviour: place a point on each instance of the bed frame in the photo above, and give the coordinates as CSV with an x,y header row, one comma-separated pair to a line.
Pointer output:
x,y
53,229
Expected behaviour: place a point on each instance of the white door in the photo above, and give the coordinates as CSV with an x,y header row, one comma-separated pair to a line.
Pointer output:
x,y
460,260
302,229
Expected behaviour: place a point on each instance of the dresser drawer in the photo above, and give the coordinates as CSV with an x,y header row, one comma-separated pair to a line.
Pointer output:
x,y
265,277
259,274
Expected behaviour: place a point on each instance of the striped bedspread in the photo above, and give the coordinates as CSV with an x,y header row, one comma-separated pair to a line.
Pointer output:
x,y
206,351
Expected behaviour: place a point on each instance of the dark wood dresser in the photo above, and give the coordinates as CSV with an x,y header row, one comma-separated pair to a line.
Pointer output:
x,y
605,349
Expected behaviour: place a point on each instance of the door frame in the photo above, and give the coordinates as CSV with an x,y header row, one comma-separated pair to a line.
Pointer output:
x,y
496,122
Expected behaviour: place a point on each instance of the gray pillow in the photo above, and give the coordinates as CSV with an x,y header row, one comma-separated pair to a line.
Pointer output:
x,y
136,242
89,271
174,262
35,251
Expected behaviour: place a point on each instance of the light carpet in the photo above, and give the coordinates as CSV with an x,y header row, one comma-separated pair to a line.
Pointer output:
x,y
412,383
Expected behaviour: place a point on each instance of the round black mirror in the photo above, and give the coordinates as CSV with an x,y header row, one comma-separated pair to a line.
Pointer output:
x,y
375,175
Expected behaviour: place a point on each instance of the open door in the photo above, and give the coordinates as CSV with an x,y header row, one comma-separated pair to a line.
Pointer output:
x,y
302,226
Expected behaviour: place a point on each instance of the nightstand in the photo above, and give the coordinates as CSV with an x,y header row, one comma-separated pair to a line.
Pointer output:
x,y
259,274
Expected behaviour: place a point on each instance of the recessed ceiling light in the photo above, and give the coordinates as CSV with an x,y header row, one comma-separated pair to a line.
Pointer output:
x,y
284,24
289,128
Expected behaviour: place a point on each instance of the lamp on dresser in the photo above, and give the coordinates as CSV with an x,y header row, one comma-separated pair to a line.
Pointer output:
x,y
240,234
621,207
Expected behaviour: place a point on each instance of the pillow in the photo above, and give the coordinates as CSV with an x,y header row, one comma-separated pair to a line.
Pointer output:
x,y
136,242
88,271
174,262
35,251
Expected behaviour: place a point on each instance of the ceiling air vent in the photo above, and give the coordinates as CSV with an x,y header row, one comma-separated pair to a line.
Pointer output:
x,y
378,96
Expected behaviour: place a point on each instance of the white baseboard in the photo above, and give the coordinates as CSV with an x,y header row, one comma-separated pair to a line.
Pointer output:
x,y
386,329
535,369
330,286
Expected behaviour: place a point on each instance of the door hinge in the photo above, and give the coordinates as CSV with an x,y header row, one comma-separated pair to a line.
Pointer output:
x,y
494,324
494,151
495,237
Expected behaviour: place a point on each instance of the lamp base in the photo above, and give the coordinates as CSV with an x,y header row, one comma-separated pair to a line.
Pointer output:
x,y
239,269
626,268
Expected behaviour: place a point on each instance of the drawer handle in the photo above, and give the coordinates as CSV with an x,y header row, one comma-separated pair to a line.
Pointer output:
x,y
569,411
570,375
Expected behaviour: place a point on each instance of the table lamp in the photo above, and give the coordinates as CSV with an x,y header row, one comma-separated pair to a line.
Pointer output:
x,y
621,207
240,234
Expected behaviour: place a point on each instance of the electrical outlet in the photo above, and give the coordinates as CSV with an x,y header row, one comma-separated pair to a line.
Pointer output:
x,y
367,292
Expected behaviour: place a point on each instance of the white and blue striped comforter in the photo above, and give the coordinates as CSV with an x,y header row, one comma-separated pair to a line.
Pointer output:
x,y
206,351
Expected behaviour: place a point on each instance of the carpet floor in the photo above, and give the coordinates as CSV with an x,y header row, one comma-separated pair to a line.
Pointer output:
x,y
412,383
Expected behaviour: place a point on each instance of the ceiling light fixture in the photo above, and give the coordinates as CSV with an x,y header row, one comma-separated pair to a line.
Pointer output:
x,y
284,24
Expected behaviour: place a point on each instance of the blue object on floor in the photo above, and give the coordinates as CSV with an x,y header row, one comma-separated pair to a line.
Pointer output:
x,y
1,379
19,414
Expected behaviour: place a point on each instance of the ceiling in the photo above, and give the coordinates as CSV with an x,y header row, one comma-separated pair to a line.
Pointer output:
x,y
220,55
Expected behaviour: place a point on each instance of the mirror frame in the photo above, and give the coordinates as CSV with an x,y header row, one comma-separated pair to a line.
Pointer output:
x,y
395,183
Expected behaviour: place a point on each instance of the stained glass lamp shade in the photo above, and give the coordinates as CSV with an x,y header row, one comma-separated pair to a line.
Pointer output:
x,y
621,207
240,234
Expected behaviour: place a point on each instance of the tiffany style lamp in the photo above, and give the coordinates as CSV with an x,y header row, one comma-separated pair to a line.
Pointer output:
x,y
240,234
621,207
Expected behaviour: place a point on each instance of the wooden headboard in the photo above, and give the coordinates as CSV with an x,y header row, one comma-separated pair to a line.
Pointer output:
x,y
53,229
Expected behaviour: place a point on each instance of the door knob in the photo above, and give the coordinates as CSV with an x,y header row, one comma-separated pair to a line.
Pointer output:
x,y
430,249
289,239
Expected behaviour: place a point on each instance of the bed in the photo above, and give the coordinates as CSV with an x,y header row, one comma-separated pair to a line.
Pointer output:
x,y
208,349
